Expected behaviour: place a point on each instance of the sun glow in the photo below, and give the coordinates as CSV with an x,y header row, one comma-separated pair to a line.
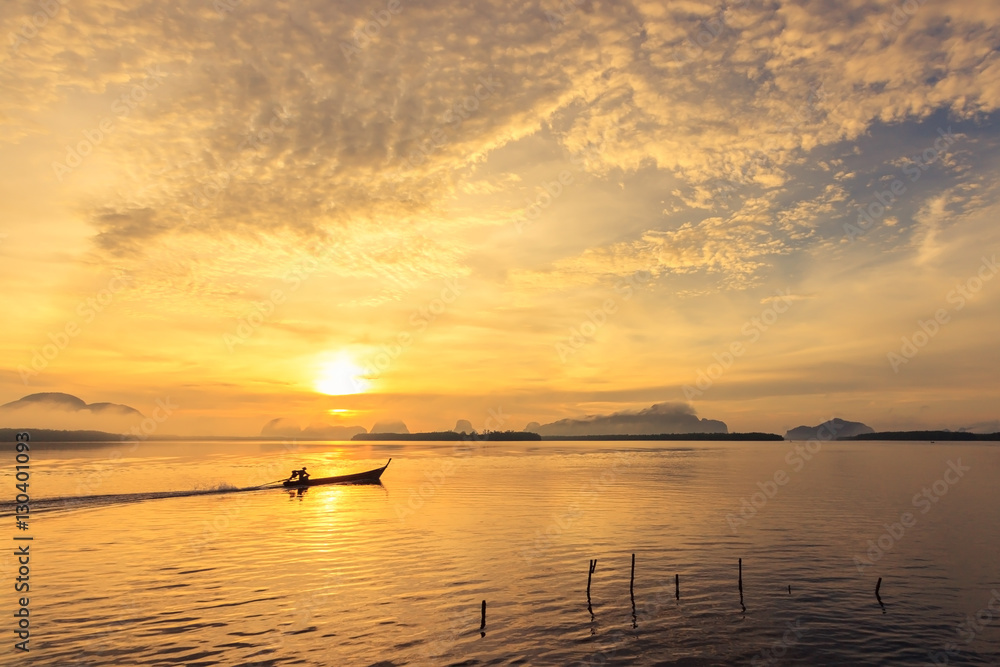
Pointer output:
x,y
341,376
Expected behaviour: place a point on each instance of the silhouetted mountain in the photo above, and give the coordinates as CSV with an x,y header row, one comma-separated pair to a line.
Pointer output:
x,y
463,426
661,418
57,410
698,437
449,436
59,401
829,430
53,399
388,426
928,435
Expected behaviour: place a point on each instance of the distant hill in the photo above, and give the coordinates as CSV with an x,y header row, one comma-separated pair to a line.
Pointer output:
x,y
390,426
927,435
522,435
60,401
829,430
52,435
57,411
672,436
449,436
658,418
465,426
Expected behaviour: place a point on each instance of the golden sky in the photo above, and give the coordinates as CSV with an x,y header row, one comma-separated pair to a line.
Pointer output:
x,y
544,209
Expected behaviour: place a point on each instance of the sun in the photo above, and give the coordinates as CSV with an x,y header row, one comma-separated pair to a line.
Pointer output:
x,y
341,376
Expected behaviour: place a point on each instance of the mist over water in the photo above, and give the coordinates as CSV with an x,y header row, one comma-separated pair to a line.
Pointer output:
x,y
162,559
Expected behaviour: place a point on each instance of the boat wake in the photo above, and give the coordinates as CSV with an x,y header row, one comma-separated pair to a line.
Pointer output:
x,y
44,505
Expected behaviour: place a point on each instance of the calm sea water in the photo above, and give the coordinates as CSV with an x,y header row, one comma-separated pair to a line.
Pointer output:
x,y
131,572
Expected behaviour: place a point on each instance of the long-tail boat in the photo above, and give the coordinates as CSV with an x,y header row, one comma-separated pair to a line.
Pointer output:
x,y
367,477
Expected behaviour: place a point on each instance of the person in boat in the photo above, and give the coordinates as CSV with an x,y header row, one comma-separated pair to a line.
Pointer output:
x,y
301,474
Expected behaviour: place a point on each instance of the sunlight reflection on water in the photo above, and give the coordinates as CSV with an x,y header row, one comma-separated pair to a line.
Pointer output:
x,y
396,572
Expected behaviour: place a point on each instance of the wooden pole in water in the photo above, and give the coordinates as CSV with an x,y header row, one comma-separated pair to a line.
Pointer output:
x,y
590,608
677,585
631,593
878,586
741,587
482,625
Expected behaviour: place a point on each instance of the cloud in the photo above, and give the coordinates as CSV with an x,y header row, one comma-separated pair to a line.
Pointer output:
x,y
786,298
264,127
658,418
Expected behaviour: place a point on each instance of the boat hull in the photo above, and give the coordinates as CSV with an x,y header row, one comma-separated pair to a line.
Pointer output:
x,y
367,477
